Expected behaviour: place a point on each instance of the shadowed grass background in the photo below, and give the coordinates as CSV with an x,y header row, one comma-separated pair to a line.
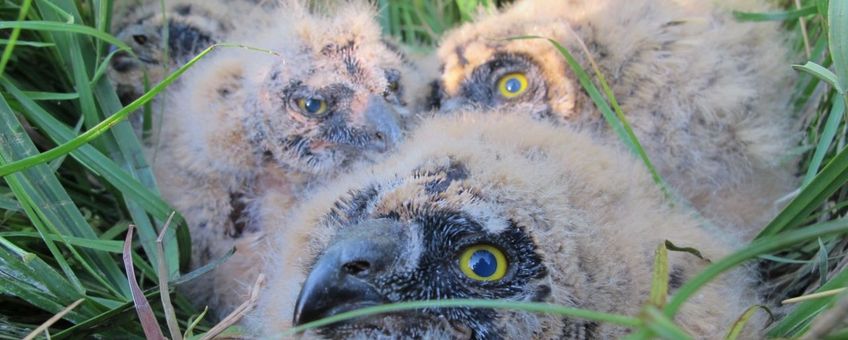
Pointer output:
x,y
63,219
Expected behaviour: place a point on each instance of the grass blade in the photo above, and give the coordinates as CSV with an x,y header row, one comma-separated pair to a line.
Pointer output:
x,y
758,247
659,283
776,16
142,307
838,40
52,320
742,321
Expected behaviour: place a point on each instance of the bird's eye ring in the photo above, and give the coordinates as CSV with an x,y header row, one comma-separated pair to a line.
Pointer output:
x,y
483,262
512,85
312,106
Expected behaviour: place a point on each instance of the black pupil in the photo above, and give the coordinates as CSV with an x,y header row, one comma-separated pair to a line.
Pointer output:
x,y
312,105
513,85
140,39
483,263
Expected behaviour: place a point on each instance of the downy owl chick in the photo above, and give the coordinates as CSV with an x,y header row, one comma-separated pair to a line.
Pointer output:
x,y
703,93
330,92
192,26
487,206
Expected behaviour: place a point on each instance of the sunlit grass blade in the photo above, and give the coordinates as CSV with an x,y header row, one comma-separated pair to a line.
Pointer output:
x,y
29,278
95,244
104,125
838,40
65,27
826,139
828,181
97,162
38,189
776,16
532,307
758,247
13,38
740,323
659,282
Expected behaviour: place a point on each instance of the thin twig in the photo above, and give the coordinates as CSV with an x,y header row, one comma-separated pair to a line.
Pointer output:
x,y
53,320
829,320
239,312
813,296
804,31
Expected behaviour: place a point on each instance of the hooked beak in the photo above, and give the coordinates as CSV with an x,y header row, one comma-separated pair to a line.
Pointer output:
x,y
384,123
344,277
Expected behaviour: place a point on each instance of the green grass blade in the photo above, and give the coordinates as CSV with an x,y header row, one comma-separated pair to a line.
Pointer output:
x,y
821,73
29,278
758,247
776,16
53,26
36,44
838,40
51,96
831,178
659,282
742,321
102,245
91,157
47,198
13,38
826,139
797,321
103,126
511,305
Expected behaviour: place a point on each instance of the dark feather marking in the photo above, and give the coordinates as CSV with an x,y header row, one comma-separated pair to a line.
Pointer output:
x,y
183,10
460,54
456,171
675,279
237,215
573,329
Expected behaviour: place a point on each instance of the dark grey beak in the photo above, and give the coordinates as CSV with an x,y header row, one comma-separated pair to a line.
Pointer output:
x,y
344,277
384,122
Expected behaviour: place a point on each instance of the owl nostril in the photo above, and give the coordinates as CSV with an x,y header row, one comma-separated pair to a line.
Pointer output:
x,y
356,268
379,136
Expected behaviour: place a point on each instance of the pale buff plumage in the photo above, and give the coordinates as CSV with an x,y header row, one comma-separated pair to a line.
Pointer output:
x,y
593,215
705,94
232,128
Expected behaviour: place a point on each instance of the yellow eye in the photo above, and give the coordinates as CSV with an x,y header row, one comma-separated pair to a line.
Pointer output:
x,y
312,106
512,85
483,263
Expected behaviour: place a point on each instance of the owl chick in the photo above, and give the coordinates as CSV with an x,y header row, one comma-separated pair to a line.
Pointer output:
x,y
487,206
703,93
192,26
329,93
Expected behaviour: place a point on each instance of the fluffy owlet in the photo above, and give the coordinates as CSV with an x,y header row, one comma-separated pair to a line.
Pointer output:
x,y
192,26
327,92
704,93
487,206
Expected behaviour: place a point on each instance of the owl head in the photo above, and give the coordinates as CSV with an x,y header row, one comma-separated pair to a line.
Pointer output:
x,y
484,207
324,91
334,93
190,29
483,67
